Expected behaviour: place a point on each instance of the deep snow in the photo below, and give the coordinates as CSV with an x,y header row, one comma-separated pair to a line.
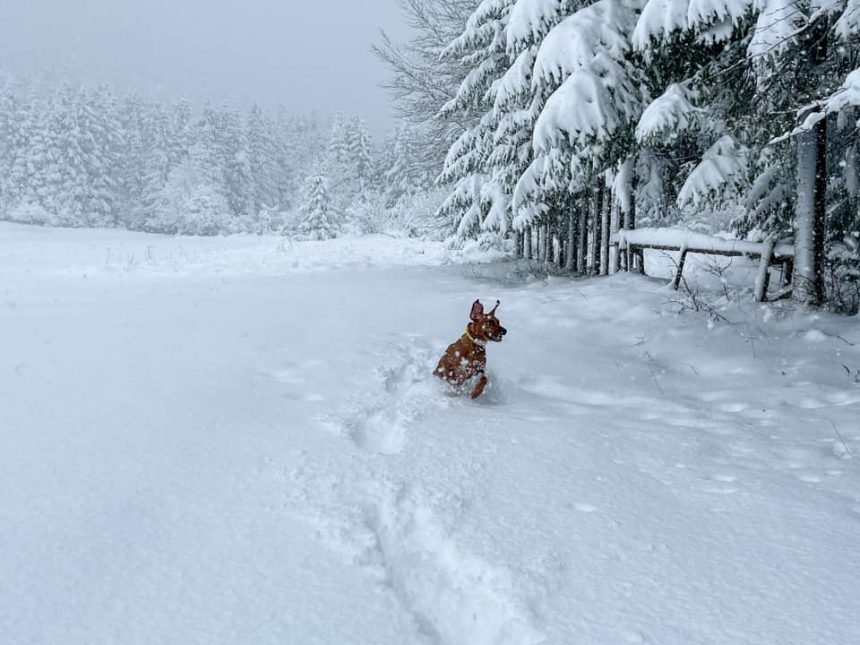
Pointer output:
x,y
203,441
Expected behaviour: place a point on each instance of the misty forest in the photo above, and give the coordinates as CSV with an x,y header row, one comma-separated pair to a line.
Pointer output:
x,y
563,349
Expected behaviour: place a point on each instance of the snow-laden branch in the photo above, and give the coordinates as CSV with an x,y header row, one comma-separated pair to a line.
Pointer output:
x,y
659,19
583,57
525,204
516,81
529,20
591,104
848,95
776,27
849,21
572,44
722,164
667,115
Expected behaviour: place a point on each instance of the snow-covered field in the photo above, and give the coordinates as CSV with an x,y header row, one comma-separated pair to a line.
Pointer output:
x,y
204,441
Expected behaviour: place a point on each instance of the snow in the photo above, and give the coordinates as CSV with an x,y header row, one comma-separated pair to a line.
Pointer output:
x,y
591,104
849,22
515,81
776,27
89,253
599,28
847,95
525,203
529,21
234,443
667,115
660,18
722,167
703,12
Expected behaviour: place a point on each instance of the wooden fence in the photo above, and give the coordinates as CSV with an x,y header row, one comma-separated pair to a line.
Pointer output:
x,y
632,243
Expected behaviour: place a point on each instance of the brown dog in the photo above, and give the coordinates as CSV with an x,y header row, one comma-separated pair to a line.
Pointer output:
x,y
466,358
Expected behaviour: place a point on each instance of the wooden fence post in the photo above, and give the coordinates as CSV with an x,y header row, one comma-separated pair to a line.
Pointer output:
x,y
763,277
676,281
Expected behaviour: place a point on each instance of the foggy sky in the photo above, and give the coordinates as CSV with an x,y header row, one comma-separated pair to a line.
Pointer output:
x,y
306,54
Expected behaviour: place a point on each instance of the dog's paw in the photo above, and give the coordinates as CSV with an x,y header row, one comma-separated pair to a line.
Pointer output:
x,y
479,387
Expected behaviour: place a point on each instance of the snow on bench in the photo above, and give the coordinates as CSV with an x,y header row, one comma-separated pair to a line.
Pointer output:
x,y
677,239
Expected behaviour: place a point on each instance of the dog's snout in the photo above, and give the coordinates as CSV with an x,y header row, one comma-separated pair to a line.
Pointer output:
x,y
503,330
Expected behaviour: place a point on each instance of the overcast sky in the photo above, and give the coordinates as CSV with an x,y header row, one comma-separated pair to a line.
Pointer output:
x,y
306,54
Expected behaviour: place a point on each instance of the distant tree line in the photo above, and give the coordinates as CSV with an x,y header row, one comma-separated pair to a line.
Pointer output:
x,y
81,156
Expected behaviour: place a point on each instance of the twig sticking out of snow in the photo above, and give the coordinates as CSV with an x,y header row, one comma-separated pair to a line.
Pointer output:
x,y
845,453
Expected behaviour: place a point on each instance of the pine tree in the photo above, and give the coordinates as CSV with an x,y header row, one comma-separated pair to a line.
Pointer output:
x,y
359,152
192,201
405,174
338,145
8,144
263,161
482,48
147,212
232,146
317,215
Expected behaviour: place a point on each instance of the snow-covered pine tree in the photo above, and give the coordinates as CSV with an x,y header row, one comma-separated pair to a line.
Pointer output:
x,y
180,129
338,142
37,196
74,153
317,215
263,161
148,212
482,48
192,200
129,178
584,127
239,186
305,139
518,103
359,152
106,140
405,174
341,183
8,145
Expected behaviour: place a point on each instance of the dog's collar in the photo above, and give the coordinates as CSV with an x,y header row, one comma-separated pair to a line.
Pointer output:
x,y
481,343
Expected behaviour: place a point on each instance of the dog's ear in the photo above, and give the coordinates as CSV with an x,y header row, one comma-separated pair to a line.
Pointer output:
x,y
477,310
493,312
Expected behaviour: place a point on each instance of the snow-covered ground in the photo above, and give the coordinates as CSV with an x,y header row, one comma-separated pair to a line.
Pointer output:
x,y
202,441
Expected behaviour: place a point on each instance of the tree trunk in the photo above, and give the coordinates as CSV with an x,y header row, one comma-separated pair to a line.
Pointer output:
x,y
614,227
562,249
630,224
582,239
820,224
571,239
852,171
809,217
546,245
604,232
810,207
596,227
